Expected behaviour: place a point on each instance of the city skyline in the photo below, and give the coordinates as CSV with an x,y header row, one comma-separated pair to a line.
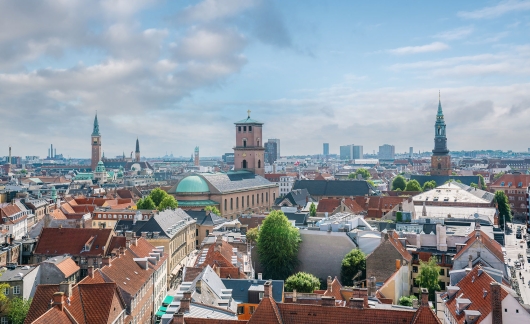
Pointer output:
x,y
178,75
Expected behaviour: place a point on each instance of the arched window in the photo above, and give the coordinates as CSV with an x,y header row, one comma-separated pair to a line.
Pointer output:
x,y
242,201
244,164
237,202
267,196
259,164
244,142
257,199
231,203
273,196
225,204
262,197
252,200
439,166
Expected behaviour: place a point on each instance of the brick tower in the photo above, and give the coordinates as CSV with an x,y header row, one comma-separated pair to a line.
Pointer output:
x,y
249,152
196,157
440,160
96,144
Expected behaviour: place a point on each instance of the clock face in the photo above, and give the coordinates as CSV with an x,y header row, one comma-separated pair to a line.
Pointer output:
x,y
244,154
439,159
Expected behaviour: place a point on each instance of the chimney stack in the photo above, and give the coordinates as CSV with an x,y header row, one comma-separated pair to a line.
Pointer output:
x,y
267,289
66,288
58,300
185,302
356,303
90,271
496,303
424,297
330,283
105,261
178,318
328,301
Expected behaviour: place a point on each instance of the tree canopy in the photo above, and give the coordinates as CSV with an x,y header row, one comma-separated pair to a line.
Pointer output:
x,y
278,245
399,182
482,181
352,263
253,235
17,309
146,203
413,185
303,282
157,195
312,210
503,206
429,185
498,175
428,276
365,174
473,185
157,199
407,300
168,202
213,209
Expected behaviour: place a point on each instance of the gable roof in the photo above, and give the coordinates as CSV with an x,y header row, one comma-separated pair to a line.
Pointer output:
x,y
489,243
56,241
330,188
328,205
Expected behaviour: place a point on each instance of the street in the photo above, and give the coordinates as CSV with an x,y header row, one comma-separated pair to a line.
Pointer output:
x,y
513,248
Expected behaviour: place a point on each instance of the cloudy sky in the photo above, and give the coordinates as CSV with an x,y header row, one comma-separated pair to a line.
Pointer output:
x,y
177,74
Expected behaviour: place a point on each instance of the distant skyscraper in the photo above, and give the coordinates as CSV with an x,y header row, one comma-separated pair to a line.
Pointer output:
x,y
277,141
346,152
271,152
387,152
326,149
357,152
411,151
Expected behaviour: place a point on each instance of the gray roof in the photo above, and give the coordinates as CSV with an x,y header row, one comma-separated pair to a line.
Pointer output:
x,y
167,223
240,288
297,197
206,218
333,188
476,192
16,274
236,181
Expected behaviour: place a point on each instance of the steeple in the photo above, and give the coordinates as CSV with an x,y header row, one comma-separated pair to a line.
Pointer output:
x,y
137,146
440,112
95,132
440,139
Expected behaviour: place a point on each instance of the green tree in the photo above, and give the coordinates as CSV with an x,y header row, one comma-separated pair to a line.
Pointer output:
x,y
158,195
454,173
473,185
146,203
169,202
365,174
503,206
399,216
428,276
482,182
498,175
312,210
213,209
399,182
303,282
278,246
253,235
407,300
352,263
17,309
413,185
371,183
429,185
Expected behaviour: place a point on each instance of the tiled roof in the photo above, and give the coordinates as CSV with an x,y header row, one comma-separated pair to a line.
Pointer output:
x,y
58,214
68,267
40,302
56,241
267,313
353,206
473,286
328,205
53,315
9,210
335,289
515,179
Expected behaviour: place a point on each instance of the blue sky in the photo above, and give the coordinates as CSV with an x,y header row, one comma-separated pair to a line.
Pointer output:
x,y
177,74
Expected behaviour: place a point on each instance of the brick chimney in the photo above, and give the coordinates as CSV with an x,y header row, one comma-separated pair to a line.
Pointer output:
x,y
267,292
90,270
185,302
178,318
66,288
424,297
58,300
496,303
356,303
105,261
328,301
330,283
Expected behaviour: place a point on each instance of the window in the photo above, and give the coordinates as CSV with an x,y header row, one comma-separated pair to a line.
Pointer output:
x,y
240,310
196,232
225,204
207,232
231,203
415,269
252,200
6,291
99,215
16,290
237,202
248,197
442,285
250,128
239,128
448,260
442,272
252,309
243,202
4,320
244,142
438,259
244,128
262,197
267,197
257,199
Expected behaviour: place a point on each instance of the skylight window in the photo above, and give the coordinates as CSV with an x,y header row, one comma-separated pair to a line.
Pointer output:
x,y
502,184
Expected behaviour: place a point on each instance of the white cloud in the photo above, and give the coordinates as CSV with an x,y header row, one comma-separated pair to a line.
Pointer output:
x,y
495,11
457,33
211,10
433,47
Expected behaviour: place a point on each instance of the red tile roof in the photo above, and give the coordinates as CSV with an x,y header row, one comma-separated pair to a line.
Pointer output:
x,y
9,210
57,241
53,315
68,267
334,290
353,206
328,205
514,179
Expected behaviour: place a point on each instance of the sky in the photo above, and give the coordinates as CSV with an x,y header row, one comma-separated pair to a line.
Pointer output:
x,y
178,74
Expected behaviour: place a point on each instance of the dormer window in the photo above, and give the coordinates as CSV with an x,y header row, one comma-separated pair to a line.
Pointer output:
x,y
502,184
509,184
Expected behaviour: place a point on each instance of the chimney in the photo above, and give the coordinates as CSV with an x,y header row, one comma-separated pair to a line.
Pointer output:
x,y
356,303
66,288
424,297
328,301
260,276
185,302
496,303
105,261
330,283
178,318
294,296
398,264
267,292
90,271
122,250
470,262
58,300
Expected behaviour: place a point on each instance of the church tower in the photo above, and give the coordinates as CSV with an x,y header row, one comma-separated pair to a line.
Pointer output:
x,y
249,152
96,144
196,156
137,152
440,160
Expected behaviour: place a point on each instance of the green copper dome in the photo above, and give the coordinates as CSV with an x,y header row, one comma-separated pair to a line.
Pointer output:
x,y
100,167
192,184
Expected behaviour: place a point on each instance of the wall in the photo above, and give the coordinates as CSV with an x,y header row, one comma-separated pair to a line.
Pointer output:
x,y
31,280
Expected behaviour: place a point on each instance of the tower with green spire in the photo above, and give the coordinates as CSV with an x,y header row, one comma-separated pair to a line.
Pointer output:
x,y
137,151
96,144
440,160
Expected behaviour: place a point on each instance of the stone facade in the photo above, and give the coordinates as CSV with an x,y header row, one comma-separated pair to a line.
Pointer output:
x,y
249,153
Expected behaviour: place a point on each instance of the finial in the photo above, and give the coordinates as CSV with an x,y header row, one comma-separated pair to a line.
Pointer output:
x,y
439,95
248,112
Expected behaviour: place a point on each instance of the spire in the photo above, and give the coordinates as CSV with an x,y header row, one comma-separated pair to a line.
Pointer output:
x,y
440,112
137,146
95,132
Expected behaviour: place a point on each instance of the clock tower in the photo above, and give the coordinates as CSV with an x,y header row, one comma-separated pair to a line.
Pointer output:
x,y
249,151
96,144
440,160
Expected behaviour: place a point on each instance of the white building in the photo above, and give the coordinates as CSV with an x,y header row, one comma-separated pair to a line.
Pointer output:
x,y
286,185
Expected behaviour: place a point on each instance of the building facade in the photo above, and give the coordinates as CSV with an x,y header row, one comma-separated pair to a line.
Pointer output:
x,y
440,160
325,149
357,151
271,151
387,152
249,154
96,145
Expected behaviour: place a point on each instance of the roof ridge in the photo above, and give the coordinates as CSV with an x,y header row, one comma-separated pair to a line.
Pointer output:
x,y
81,302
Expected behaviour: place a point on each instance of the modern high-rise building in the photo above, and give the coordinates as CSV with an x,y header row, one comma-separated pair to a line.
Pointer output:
x,y
277,141
346,152
357,152
271,152
387,152
411,151
326,149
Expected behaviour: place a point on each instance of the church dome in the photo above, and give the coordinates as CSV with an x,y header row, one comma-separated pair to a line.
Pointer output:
x,y
100,167
192,184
